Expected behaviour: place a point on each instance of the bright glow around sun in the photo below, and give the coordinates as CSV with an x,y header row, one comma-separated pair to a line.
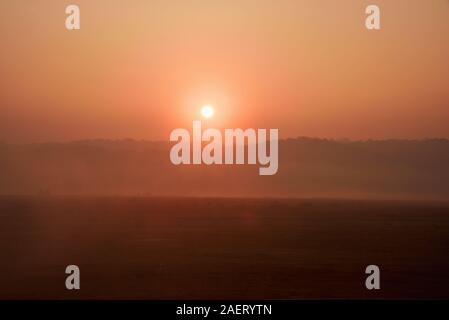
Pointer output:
x,y
207,111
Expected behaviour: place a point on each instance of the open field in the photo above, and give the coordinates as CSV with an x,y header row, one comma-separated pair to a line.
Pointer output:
x,y
191,248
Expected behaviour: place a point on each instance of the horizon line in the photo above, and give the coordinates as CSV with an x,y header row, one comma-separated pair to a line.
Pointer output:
x,y
143,140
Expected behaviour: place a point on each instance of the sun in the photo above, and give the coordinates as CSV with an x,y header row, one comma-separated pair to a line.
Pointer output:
x,y
207,111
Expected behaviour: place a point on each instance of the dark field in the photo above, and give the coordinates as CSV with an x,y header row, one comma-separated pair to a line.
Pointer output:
x,y
166,248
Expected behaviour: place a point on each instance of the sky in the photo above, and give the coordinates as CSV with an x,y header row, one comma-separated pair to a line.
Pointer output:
x,y
139,69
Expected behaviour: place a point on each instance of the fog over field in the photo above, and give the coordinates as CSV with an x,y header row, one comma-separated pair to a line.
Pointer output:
x,y
307,168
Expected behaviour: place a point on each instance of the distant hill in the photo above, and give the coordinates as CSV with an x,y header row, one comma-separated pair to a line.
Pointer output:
x,y
307,168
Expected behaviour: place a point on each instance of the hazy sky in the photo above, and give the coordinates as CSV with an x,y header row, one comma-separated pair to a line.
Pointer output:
x,y
139,69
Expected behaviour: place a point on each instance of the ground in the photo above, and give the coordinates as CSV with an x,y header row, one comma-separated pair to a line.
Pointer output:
x,y
192,248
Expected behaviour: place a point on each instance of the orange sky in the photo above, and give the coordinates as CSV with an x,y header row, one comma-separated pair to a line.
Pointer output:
x,y
139,69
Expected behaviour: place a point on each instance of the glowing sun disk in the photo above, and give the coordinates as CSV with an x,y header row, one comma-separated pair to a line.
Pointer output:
x,y
207,111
